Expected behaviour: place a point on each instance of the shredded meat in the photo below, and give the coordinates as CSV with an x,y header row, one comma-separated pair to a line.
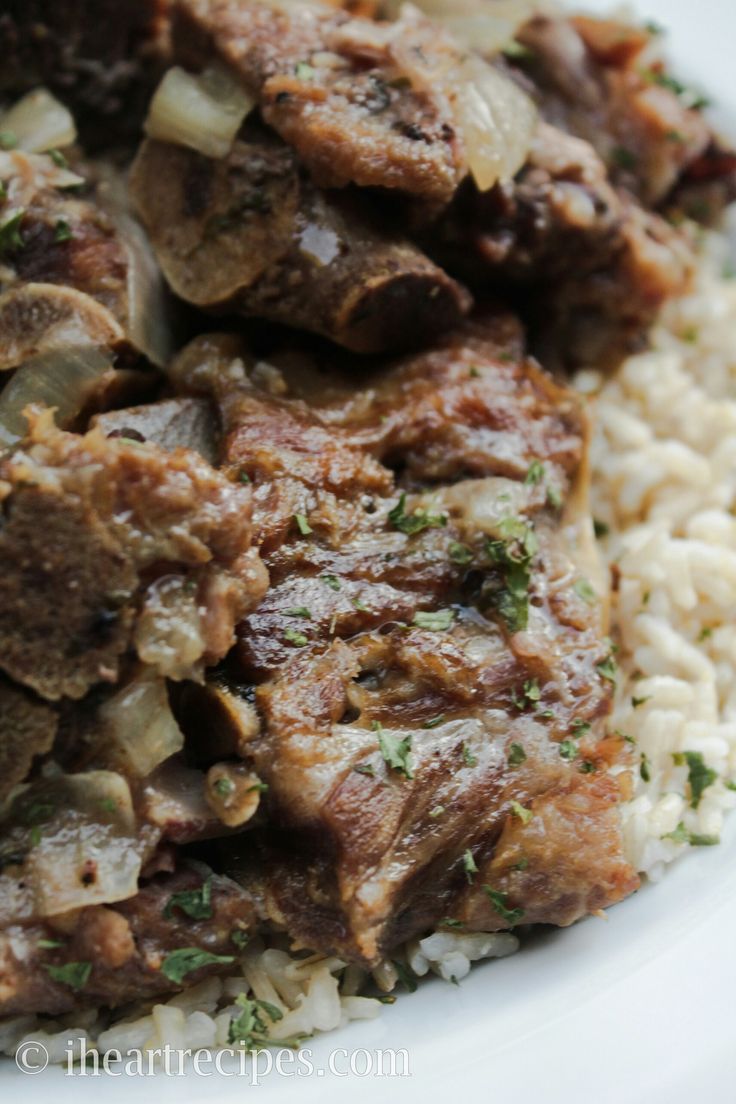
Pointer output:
x,y
27,730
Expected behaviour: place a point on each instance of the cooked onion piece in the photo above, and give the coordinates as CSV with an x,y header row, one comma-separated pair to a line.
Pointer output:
x,y
487,26
497,121
38,122
61,379
204,112
139,728
78,838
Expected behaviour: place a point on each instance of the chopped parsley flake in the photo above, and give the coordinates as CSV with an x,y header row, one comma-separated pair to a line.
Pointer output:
x,y
522,864
436,812
513,554
500,903
58,158
239,937
469,759
535,474
62,231
415,522
435,621
584,590
682,835
554,498
588,767
637,702
516,755
395,750
434,722
607,669
196,903
302,524
10,235
645,768
298,611
360,605
450,923
700,777
705,634
580,727
524,815
179,963
600,528
49,944
460,553
303,70
469,865
569,750
250,1029
331,581
299,640
529,696
74,974
365,768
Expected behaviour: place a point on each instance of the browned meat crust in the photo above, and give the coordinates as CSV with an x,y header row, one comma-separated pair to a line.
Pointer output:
x,y
347,653
358,99
251,234
125,944
593,83
99,533
599,266
27,730
101,57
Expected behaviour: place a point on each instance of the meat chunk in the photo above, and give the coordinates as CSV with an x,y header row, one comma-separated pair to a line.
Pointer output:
x,y
599,266
171,424
426,633
110,541
251,234
361,101
76,272
27,730
109,955
593,82
99,57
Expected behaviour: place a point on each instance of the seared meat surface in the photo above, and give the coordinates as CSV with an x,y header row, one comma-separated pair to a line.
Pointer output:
x,y
315,641
108,543
110,955
251,234
100,56
361,101
421,635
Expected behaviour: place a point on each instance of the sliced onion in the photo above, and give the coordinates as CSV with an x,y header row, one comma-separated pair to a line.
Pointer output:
x,y
62,379
202,112
81,841
497,121
139,728
39,122
487,26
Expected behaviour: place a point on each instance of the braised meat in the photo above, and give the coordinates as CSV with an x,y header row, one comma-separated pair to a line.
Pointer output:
x,y
423,632
108,543
149,945
361,101
599,80
100,57
251,234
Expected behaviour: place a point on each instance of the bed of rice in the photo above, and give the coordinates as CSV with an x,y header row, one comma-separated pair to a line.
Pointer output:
x,y
664,483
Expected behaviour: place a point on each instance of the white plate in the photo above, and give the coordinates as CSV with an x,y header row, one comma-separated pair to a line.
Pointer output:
x,y
636,1009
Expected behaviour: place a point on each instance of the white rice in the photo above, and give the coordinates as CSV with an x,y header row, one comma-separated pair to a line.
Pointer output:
x,y
664,482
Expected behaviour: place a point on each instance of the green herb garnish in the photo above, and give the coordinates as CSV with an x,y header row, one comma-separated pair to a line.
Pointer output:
x,y
516,755
500,903
302,524
299,640
469,865
74,974
700,777
682,835
196,903
435,621
177,965
524,815
395,750
415,522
